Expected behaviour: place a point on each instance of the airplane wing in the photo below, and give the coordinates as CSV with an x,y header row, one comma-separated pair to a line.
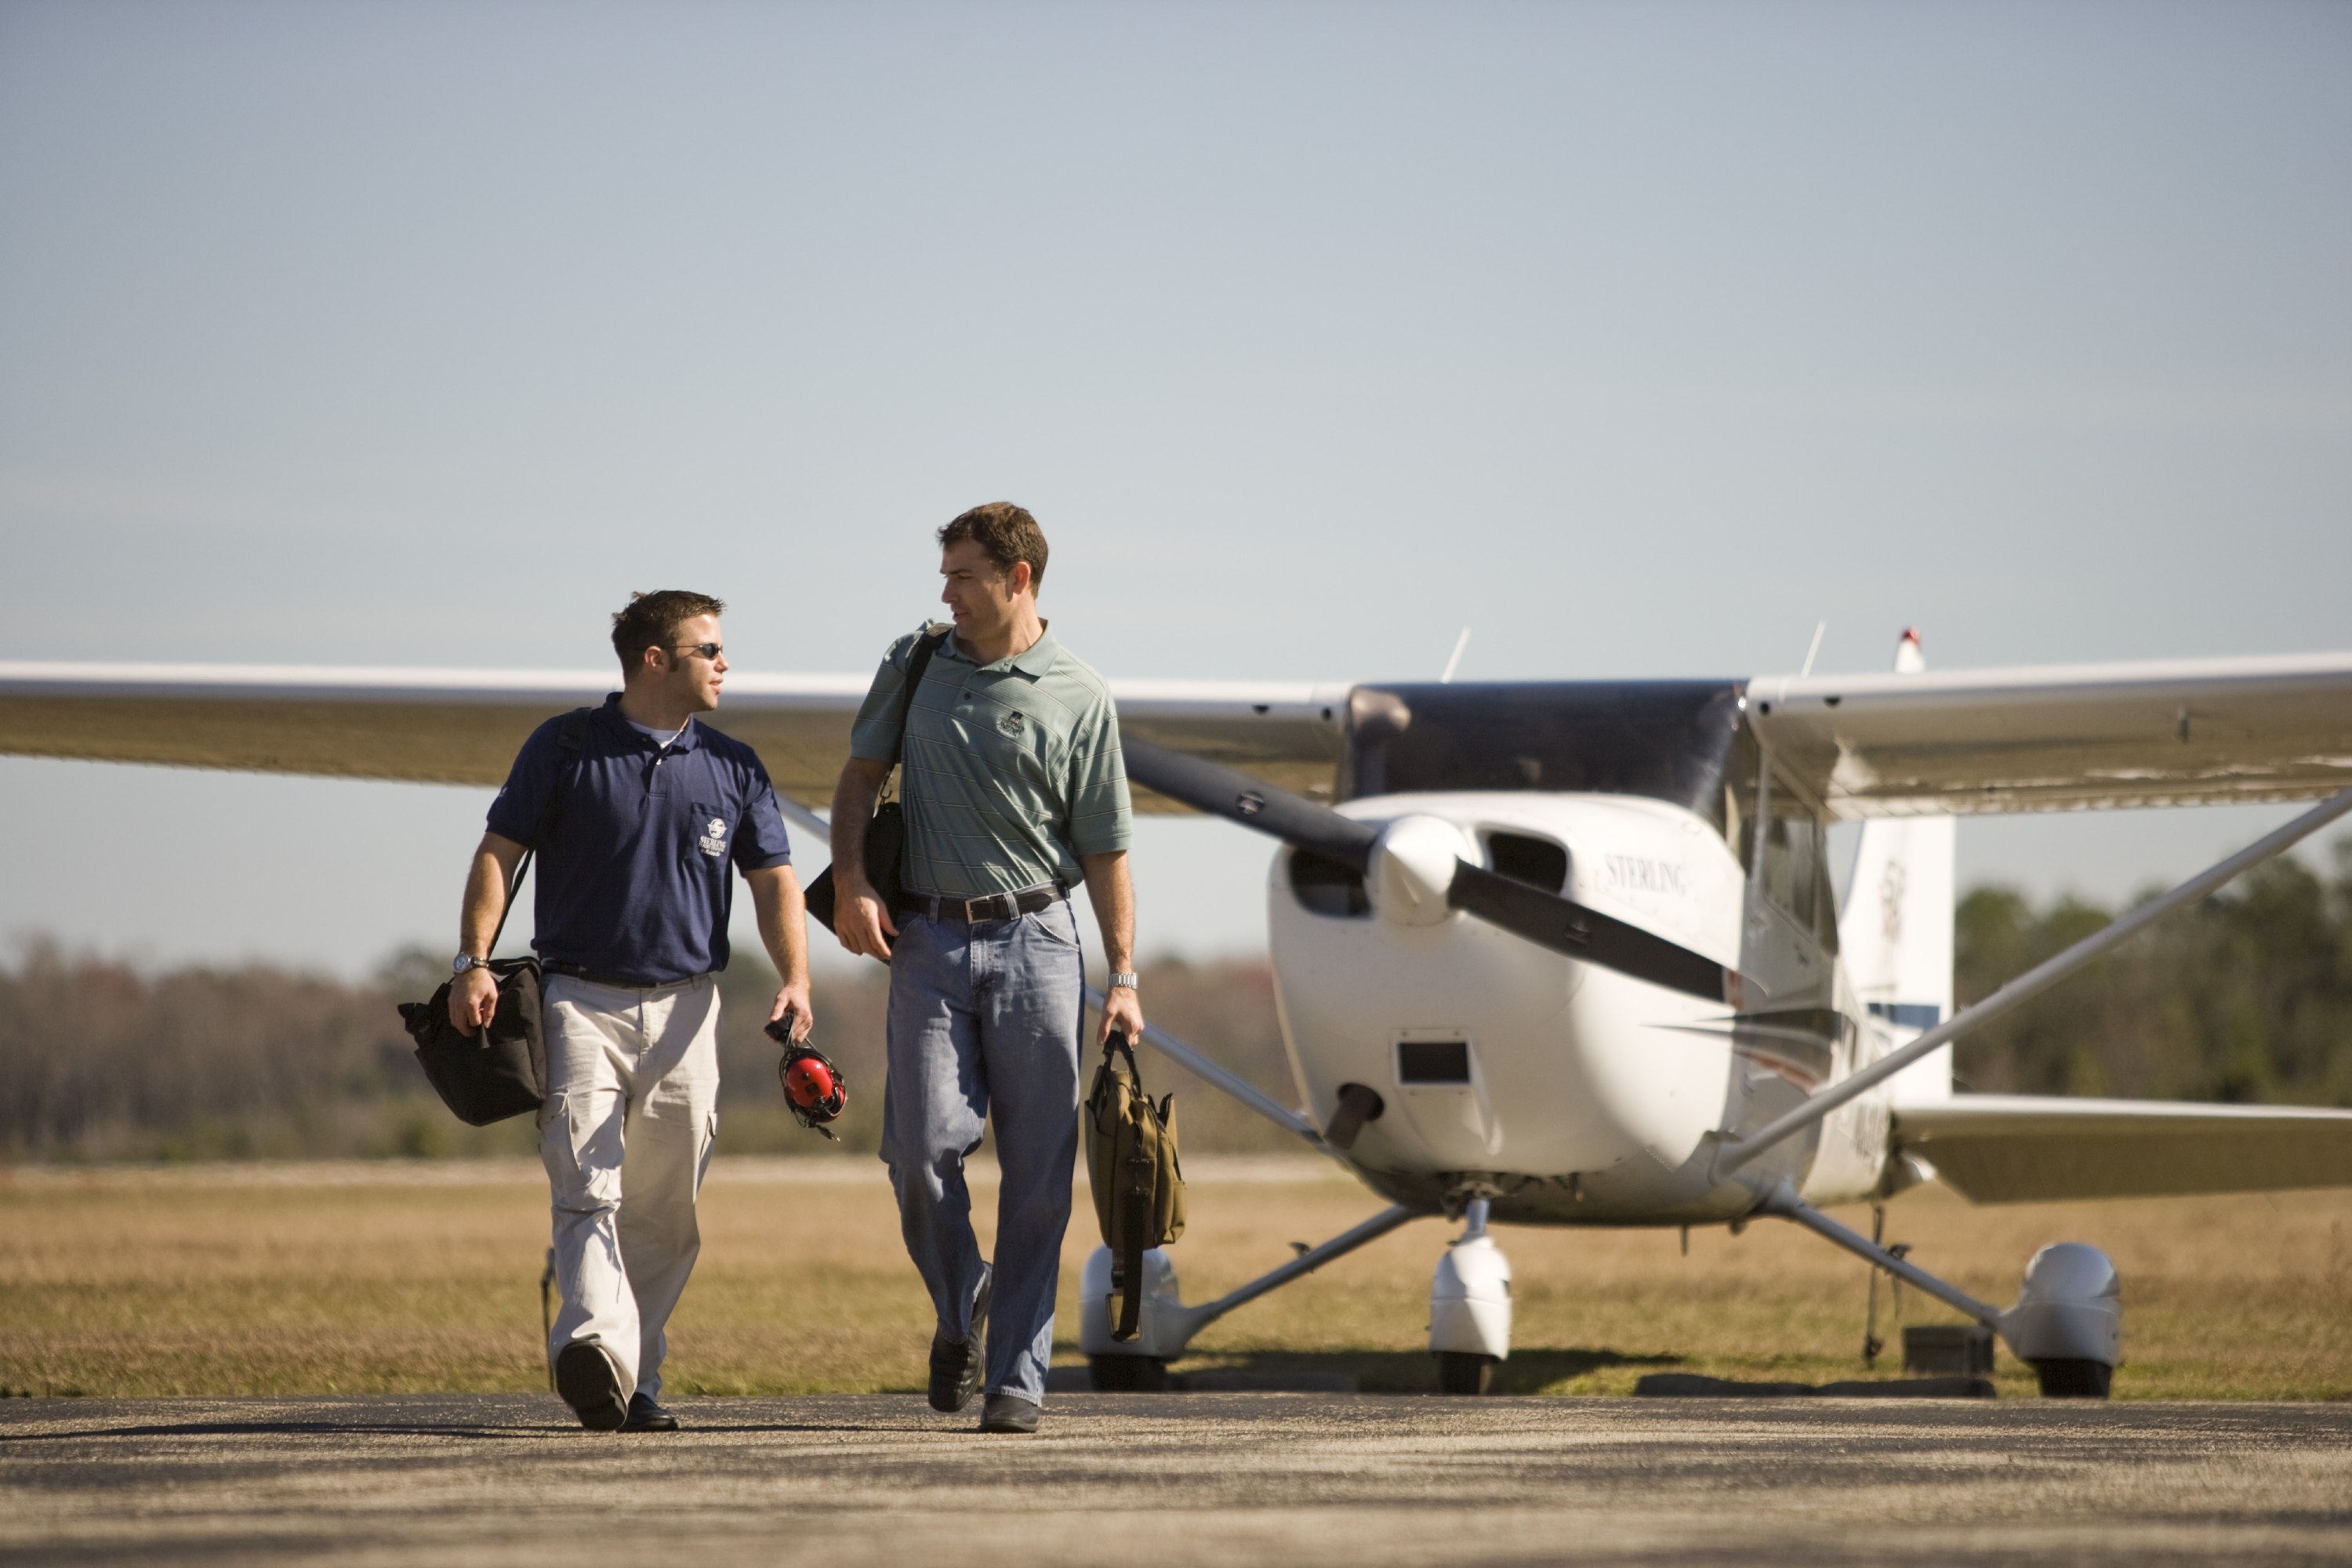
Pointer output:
x,y
2061,737
460,726
2004,1149
1865,745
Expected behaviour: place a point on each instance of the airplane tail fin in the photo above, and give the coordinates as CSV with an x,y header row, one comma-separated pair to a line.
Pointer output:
x,y
1895,935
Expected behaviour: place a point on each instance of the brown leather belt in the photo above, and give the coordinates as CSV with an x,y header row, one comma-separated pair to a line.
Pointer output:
x,y
987,907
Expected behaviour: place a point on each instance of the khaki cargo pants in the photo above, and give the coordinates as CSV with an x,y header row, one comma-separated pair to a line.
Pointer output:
x,y
625,1134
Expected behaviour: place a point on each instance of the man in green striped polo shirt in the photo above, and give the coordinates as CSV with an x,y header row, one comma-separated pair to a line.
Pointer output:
x,y
1013,792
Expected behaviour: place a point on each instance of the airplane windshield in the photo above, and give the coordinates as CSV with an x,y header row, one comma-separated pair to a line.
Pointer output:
x,y
1679,740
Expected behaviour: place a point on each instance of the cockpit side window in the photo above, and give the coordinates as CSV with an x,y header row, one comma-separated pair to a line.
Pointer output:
x,y
1794,866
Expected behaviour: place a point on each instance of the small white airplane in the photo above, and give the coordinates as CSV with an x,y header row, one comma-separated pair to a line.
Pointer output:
x,y
1559,954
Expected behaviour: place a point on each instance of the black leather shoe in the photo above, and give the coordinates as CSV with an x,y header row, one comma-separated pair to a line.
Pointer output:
x,y
956,1366
645,1416
1008,1412
586,1378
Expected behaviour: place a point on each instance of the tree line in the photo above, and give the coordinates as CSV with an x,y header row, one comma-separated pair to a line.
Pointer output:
x,y
101,1060
2247,997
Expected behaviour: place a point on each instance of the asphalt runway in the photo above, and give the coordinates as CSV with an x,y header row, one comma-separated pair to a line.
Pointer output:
x,y
1175,1478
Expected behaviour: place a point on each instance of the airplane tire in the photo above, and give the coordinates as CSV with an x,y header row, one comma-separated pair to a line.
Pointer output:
x,y
1127,1373
2071,1379
1461,1372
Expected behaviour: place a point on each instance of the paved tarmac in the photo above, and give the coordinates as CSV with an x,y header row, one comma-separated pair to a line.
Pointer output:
x,y
1175,1479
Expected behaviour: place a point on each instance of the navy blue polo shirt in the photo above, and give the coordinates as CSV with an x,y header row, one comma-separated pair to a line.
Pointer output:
x,y
634,877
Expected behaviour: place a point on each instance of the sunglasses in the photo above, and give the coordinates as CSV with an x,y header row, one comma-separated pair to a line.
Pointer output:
x,y
706,649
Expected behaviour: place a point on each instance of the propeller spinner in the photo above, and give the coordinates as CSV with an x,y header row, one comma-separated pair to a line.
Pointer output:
x,y
1416,873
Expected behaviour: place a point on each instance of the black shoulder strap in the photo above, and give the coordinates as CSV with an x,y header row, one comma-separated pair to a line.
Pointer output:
x,y
568,741
917,663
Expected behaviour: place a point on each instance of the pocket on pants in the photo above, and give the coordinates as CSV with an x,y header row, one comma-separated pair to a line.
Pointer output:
x,y
581,1147
1058,923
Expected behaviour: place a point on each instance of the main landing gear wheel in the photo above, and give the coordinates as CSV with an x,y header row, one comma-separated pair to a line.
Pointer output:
x,y
1461,1372
1127,1373
2075,1379
2068,1323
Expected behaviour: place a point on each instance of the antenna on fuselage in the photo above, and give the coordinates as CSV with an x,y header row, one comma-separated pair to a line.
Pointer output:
x,y
1818,627
1455,662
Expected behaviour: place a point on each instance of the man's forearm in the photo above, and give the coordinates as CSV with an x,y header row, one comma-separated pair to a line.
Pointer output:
x,y
1112,892
852,807
782,912
485,895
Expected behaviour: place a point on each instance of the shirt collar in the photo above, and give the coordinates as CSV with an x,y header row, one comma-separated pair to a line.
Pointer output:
x,y
1038,657
1033,661
687,740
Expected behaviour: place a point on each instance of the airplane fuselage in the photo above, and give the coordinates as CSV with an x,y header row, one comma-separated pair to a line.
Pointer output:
x,y
1564,1092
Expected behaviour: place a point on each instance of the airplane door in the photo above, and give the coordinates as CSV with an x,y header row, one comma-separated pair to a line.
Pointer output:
x,y
1789,938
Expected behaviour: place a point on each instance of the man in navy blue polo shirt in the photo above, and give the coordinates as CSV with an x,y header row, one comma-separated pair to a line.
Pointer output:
x,y
637,830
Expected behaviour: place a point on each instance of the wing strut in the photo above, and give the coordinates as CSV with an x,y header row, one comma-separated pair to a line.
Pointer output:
x,y
2029,985
1783,1203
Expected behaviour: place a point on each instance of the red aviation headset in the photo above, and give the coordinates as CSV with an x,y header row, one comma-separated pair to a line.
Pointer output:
x,y
814,1090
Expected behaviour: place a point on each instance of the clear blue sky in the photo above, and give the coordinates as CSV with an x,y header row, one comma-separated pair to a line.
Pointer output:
x,y
1636,337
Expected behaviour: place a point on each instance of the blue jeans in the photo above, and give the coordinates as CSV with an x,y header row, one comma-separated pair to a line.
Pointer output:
x,y
984,1020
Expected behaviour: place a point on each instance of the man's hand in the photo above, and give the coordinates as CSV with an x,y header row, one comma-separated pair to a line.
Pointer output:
x,y
473,1000
1122,1011
794,999
863,926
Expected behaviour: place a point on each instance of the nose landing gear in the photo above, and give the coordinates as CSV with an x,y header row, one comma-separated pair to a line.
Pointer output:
x,y
1470,1308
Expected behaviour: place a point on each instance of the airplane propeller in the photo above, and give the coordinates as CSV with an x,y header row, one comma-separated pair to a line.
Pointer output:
x,y
1417,872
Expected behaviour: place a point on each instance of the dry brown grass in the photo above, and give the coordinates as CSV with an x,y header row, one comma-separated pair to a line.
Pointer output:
x,y
338,1279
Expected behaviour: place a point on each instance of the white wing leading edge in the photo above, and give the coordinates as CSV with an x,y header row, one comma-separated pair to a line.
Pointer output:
x,y
1930,743
464,726
2061,737
2002,1148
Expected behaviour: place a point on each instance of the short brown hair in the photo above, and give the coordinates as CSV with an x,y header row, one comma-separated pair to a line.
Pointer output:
x,y
652,621
1006,532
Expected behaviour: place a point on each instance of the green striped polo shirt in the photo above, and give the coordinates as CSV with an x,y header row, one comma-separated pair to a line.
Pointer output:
x,y
1011,770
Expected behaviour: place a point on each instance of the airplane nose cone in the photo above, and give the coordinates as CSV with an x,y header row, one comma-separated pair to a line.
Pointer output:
x,y
1413,865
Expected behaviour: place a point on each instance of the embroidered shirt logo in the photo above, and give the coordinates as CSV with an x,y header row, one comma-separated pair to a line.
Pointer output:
x,y
713,841
1011,721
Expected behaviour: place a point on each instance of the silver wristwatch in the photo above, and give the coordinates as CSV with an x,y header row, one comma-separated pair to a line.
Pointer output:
x,y
465,960
1125,978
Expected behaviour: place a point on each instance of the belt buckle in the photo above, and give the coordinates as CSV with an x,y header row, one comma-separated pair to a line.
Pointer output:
x,y
980,909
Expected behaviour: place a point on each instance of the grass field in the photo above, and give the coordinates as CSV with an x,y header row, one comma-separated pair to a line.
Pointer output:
x,y
349,1278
